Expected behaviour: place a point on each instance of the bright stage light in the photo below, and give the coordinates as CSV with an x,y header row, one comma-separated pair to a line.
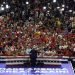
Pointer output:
x,y
63,5
7,6
58,7
54,1
62,9
2,8
44,7
70,10
27,2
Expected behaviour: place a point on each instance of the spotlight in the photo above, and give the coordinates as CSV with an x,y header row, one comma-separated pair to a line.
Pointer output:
x,y
2,8
54,1
62,9
44,7
7,6
58,7
27,2
63,5
70,10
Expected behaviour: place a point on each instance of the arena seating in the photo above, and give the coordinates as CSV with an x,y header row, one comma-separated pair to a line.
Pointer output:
x,y
50,33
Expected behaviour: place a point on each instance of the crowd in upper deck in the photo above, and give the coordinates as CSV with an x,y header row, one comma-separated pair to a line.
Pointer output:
x,y
51,34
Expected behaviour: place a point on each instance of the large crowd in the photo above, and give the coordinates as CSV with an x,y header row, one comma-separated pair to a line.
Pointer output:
x,y
49,35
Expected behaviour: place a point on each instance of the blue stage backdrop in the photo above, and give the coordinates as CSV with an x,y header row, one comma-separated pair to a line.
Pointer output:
x,y
65,69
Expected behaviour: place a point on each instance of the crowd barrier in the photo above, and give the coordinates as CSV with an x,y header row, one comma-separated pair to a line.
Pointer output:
x,y
14,60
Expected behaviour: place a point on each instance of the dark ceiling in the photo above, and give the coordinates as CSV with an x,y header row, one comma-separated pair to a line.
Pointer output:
x,y
69,4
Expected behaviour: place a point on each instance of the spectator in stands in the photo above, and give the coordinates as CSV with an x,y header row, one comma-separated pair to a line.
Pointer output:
x,y
21,32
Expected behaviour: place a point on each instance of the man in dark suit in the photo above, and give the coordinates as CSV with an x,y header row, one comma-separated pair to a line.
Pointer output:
x,y
33,57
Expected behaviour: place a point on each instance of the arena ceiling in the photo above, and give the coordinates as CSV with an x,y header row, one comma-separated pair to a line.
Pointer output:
x,y
65,5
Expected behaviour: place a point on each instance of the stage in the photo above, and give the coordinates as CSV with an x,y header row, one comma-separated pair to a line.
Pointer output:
x,y
63,69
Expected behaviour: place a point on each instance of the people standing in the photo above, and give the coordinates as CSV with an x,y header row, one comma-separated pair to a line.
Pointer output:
x,y
33,57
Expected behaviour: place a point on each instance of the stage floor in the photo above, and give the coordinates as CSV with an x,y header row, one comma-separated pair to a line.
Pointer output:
x,y
64,69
